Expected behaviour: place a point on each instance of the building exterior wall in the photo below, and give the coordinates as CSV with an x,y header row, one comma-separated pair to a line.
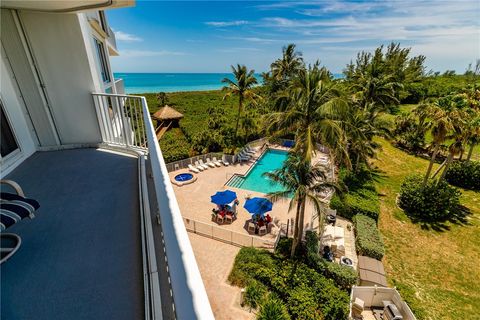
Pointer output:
x,y
61,55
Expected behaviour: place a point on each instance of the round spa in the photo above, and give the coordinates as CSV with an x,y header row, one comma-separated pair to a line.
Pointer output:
x,y
182,179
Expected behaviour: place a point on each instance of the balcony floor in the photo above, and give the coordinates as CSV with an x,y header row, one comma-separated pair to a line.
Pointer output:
x,y
80,256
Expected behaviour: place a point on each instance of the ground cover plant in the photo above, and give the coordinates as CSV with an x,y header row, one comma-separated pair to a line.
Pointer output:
x,y
435,270
305,293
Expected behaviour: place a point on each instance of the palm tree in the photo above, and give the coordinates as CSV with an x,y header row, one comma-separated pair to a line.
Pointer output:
x,y
311,114
242,87
285,68
162,99
304,182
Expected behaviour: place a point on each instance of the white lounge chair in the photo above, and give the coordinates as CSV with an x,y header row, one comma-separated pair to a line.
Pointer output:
x,y
203,164
193,169
210,163
224,161
199,166
251,150
216,162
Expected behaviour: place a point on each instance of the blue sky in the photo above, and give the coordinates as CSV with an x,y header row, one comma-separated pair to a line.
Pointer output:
x,y
201,36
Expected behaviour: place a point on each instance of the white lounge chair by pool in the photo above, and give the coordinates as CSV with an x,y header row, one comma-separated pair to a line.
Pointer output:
x,y
210,163
199,166
203,164
224,161
216,162
193,169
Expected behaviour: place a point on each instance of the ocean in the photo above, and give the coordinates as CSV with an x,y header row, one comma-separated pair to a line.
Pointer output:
x,y
173,82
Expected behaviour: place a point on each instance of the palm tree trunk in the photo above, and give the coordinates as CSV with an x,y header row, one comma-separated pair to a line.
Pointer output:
x,y
449,160
439,168
430,165
240,107
300,224
295,229
470,152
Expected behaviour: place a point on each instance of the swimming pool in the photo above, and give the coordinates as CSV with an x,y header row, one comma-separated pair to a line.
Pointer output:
x,y
270,161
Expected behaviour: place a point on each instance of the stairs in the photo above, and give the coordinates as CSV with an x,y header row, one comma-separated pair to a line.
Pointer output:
x,y
161,130
236,181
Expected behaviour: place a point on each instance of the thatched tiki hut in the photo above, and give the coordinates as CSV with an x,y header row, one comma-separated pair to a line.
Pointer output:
x,y
167,117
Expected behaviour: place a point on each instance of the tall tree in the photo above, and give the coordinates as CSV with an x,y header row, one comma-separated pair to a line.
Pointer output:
x,y
242,87
162,99
311,114
289,65
303,182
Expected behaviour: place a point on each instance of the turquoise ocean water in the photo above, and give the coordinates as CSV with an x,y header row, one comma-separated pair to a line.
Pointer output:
x,y
172,82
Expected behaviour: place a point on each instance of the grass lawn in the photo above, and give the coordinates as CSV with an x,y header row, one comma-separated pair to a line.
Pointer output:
x,y
437,272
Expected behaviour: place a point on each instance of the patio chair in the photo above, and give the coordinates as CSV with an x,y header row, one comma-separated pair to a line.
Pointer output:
x,y
13,208
220,219
251,227
199,166
228,218
262,230
204,166
216,162
210,163
357,308
193,169
224,161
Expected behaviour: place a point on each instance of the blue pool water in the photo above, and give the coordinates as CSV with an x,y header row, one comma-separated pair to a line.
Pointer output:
x,y
184,177
270,161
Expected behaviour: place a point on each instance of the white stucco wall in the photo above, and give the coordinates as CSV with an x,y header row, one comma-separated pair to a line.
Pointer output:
x,y
13,108
59,48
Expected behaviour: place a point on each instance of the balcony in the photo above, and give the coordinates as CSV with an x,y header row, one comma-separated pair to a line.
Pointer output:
x,y
108,241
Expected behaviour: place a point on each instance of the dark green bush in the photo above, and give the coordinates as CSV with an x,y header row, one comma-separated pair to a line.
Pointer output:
x,y
362,201
434,202
284,246
283,276
255,292
464,174
368,239
273,309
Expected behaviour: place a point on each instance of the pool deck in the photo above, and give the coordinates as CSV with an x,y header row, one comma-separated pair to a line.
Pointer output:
x,y
216,258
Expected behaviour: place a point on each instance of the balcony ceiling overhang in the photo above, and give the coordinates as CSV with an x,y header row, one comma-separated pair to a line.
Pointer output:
x,y
65,6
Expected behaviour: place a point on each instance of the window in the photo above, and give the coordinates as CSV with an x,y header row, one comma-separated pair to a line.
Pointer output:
x,y
102,58
8,143
103,21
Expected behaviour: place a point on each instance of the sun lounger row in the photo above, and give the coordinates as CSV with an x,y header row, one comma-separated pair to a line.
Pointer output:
x,y
199,165
247,153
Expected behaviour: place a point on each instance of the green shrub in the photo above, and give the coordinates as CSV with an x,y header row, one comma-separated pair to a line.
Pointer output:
x,y
284,246
368,239
255,292
302,304
297,285
273,309
434,202
464,174
362,201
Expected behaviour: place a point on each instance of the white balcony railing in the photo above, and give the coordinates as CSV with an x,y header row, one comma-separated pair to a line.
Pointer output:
x,y
125,122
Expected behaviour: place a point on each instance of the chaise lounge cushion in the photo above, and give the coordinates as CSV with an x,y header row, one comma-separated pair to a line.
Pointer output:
x,y
14,208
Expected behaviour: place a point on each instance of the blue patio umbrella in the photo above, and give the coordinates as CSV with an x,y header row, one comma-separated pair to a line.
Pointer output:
x,y
223,197
258,206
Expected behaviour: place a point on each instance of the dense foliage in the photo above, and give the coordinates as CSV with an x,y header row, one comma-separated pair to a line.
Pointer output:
x,y
306,293
273,309
464,174
435,201
361,198
368,239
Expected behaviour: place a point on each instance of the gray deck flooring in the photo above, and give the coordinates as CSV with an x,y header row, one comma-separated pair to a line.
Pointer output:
x,y
81,256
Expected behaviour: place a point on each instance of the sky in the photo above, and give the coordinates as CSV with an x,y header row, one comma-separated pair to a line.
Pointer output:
x,y
209,36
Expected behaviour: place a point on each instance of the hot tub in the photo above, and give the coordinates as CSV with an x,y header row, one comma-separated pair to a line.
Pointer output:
x,y
183,179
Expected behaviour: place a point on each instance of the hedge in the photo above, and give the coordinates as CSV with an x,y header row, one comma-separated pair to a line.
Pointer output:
x,y
362,201
433,202
306,293
368,239
464,174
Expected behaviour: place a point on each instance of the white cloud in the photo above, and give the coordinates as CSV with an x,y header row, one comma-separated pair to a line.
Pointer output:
x,y
226,23
150,53
123,36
